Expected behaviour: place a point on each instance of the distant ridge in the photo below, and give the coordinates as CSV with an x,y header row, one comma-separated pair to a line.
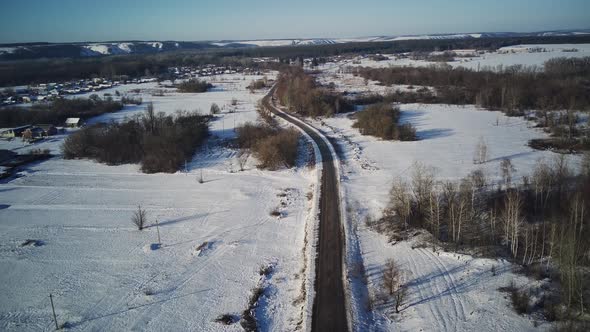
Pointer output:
x,y
37,50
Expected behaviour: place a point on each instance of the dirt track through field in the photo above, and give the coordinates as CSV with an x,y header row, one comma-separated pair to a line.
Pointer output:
x,y
329,305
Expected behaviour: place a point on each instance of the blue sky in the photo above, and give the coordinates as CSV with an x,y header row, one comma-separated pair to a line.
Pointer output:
x,y
92,20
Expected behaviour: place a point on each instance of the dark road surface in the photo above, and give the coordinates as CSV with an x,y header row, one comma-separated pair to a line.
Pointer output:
x,y
329,305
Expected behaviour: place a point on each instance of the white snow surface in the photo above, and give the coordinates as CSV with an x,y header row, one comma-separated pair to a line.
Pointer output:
x,y
508,56
448,292
103,272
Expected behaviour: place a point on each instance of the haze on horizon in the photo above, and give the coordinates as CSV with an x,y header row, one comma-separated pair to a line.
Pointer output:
x,y
73,20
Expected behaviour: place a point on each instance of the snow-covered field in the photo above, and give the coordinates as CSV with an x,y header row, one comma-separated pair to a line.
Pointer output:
x,y
448,292
104,273
508,56
448,136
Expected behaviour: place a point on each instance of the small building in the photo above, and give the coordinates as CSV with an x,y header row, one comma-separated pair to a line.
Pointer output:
x,y
48,129
14,132
73,122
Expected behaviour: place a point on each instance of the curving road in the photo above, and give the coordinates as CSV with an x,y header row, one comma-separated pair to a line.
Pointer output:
x,y
329,305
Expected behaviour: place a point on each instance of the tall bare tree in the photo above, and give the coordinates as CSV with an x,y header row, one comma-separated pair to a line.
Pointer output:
x,y
139,218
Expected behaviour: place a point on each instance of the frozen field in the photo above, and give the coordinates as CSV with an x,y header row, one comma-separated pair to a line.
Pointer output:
x,y
507,56
104,273
448,292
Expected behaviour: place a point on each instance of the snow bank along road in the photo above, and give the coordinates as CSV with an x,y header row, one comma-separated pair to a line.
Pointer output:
x,y
329,309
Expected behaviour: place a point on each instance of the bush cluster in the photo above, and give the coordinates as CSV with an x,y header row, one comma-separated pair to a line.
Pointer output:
x,y
161,143
273,147
382,120
193,85
131,100
300,94
561,85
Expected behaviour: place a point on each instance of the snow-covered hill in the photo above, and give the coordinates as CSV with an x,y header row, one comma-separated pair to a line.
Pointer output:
x,y
90,49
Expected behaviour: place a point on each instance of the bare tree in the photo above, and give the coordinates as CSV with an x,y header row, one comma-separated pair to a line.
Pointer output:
x,y
422,186
456,204
392,283
586,164
27,135
150,118
139,218
391,276
507,170
434,215
400,297
400,201
242,159
512,218
478,178
561,172
481,152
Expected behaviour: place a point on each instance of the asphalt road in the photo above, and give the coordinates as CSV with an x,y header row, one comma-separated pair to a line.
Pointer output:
x,y
329,305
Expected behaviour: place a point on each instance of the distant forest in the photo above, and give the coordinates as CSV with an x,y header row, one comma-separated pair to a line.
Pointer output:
x,y
56,70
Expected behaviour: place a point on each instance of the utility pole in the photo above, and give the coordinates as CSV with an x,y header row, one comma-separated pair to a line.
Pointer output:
x,y
158,230
53,310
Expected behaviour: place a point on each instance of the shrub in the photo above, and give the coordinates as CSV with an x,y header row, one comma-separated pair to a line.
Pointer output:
x,y
277,150
193,85
131,100
226,319
273,147
214,109
381,120
520,301
257,85
407,132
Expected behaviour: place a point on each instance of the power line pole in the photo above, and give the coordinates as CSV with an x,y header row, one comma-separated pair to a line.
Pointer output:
x,y
53,310
158,229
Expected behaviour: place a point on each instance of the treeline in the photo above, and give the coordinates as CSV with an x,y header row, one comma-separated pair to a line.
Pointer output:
x,y
562,85
193,85
299,92
57,70
159,142
112,67
274,147
400,46
542,222
382,120
58,111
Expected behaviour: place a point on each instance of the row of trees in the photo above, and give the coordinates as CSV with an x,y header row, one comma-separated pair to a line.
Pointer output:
x,y
159,142
542,220
382,120
58,111
562,85
299,92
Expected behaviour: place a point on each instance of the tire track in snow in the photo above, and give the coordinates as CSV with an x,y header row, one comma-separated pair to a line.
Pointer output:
x,y
433,309
450,282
